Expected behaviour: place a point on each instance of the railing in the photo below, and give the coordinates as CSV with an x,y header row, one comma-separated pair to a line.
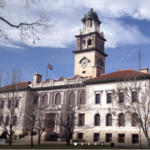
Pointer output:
x,y
57,83
45,84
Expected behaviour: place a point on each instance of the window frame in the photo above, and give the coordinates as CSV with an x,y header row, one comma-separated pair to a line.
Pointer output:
x,y
121,100
56,103
91,24
2,104
7,121
17,105
121,121
95,117
15,120
1,119
81,136
89,42
96,98
9,103
98,92
106,138
82,118
109,93
133,139
69,98
81,97
107,123
95,138
134,122
120,138
43,100
134,100
35,100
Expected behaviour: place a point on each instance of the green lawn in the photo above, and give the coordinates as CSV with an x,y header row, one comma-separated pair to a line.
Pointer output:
x,y
58,146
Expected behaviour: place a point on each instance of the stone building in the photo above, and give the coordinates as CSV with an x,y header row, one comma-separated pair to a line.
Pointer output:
x,y
90,91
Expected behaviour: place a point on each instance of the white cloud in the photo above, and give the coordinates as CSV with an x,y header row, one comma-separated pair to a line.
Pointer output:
x,y
118,33
66,16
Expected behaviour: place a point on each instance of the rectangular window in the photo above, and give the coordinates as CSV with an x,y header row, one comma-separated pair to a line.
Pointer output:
x,y
96,137
81,119
2,104
109,98
121,138
135,138
80,135
97,100
108,137
134,96
121,97
9,104
17,103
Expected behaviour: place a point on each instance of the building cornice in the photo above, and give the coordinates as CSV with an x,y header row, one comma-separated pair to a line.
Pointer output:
x,y
111,80
16,90
88,34
90,49
58,87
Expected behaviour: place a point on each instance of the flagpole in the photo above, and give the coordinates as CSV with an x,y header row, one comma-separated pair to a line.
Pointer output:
x,y
139,58
46,72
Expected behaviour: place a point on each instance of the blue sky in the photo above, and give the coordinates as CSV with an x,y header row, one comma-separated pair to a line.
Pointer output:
x,y
126,26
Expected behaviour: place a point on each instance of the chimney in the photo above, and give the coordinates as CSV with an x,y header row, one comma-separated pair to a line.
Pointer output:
x,y
37,78
145,70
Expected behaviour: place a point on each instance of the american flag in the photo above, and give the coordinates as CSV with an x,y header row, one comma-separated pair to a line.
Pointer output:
x,y
50,67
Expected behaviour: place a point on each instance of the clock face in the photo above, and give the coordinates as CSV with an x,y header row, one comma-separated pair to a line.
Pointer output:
x,y
100,63
84,63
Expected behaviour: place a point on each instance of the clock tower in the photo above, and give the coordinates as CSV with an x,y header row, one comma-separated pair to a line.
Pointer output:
x,y
89,53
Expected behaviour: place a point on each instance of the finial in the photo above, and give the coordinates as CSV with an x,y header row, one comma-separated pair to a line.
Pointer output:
x,y
91,9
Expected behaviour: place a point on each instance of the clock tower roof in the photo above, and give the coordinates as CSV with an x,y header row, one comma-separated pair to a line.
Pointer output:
x,y
91,15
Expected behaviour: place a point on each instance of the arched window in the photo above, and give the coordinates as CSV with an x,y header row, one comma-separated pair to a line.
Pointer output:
x,y
7,121
45,99
121,119
97,120
83,42
35,100
134,119
15,121
82,97
58,99
89,42
109,120
87,23
91,24
72,98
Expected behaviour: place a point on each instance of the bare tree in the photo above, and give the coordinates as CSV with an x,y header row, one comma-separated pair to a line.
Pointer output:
x,y
26,30
10,113
34,117
67,114
132,99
